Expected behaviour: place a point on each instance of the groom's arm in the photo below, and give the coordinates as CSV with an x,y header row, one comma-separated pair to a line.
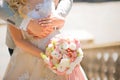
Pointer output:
x,y
64,7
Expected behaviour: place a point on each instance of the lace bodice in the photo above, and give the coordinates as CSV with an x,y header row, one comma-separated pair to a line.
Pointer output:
x,y
37,10
42,10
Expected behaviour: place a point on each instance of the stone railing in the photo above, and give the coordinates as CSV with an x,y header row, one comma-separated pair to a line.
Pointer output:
x,y
102,61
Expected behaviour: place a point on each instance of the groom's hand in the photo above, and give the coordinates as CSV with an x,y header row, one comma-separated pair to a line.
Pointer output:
x,y
43,27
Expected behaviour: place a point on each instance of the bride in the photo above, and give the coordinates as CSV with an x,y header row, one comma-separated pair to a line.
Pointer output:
x,y
26,63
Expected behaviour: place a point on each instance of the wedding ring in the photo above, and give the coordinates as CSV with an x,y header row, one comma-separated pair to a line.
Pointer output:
x,y
55,28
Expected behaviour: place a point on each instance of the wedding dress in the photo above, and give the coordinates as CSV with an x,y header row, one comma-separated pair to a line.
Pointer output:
x,y
24,66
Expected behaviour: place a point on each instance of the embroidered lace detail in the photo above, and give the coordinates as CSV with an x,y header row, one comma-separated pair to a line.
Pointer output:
x,y
42,10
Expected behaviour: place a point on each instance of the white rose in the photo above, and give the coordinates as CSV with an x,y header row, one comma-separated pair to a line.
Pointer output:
x,y
78,60
65,45
72,46
56,54
72,66
50,45
61,68
64,63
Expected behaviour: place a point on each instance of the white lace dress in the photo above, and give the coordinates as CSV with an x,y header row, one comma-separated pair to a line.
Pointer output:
x,y
24,66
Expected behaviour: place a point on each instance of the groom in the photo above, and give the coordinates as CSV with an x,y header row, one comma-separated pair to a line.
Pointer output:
x,y
63,8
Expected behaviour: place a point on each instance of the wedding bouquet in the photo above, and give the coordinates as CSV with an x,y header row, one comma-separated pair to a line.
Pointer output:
x,y
62,54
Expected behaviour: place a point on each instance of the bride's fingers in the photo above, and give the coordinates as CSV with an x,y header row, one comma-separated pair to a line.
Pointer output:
x,y
46,25
45,31
45,21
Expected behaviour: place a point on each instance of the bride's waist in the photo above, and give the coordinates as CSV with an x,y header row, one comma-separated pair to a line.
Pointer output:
x,y
42,42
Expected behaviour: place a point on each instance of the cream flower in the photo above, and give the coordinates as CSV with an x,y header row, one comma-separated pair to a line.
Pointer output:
x,y
65,45
72,46
63,65
64,53
50,45
73,64
56,54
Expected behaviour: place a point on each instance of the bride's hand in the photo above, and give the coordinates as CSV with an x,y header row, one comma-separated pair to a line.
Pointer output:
x,y
43,27
37,30
54,21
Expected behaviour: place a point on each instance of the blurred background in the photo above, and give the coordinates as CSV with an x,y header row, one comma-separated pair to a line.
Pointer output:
x,y
99,18
97,24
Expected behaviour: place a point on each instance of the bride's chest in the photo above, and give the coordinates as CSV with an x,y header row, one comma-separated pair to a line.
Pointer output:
x,y
40,9
41,4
